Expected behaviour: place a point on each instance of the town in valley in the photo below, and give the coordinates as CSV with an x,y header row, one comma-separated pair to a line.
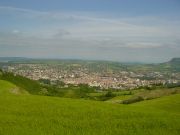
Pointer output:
x,y
101,74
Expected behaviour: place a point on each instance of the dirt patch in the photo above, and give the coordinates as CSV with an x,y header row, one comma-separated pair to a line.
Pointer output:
x,y
15,91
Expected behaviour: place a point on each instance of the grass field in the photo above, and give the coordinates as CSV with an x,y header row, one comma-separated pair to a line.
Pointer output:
x,y
25,114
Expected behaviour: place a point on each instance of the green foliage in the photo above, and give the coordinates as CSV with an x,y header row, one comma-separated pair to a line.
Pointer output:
x,y
60,83
103,97
45,81
151,94
133,100
172,85
80,91
109,94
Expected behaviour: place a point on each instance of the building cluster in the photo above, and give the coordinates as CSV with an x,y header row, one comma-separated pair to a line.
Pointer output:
x,y
82,75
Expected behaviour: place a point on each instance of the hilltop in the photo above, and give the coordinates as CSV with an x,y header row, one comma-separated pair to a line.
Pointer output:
x,y
175,60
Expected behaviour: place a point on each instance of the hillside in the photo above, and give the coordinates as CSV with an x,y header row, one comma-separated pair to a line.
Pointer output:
x,y
174,64
8,88
171,66
24,114
175,60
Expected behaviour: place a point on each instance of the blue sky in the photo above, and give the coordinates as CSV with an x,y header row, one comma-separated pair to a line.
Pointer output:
x,y
118,30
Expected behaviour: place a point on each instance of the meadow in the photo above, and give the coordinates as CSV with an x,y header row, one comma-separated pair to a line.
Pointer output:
x,y
25,114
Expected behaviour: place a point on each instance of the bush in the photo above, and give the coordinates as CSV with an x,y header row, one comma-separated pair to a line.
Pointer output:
x,y
173,85
45,81
109,94
133,100
106,96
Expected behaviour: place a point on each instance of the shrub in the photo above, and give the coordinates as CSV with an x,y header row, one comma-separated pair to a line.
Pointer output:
x,y
109,94
133,100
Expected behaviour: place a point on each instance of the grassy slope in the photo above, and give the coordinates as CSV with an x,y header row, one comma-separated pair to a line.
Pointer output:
x,y
145,94
40,115
7,88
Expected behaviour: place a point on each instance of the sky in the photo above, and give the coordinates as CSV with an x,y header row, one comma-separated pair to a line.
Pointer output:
x,y
118,30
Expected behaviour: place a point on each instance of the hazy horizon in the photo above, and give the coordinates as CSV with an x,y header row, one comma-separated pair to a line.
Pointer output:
x,y
122,31
80,59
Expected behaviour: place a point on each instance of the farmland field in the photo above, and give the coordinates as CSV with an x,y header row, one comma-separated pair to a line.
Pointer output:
x,y
25,114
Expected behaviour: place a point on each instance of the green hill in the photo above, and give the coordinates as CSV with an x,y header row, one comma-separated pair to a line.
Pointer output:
x,y
171,66
25,114
8,88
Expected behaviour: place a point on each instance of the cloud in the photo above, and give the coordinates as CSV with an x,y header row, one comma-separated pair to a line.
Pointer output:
x,y
78,34
60,33
144,45
15,31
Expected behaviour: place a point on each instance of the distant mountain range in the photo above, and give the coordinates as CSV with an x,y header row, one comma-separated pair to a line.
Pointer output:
x,y
14,59
7,59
